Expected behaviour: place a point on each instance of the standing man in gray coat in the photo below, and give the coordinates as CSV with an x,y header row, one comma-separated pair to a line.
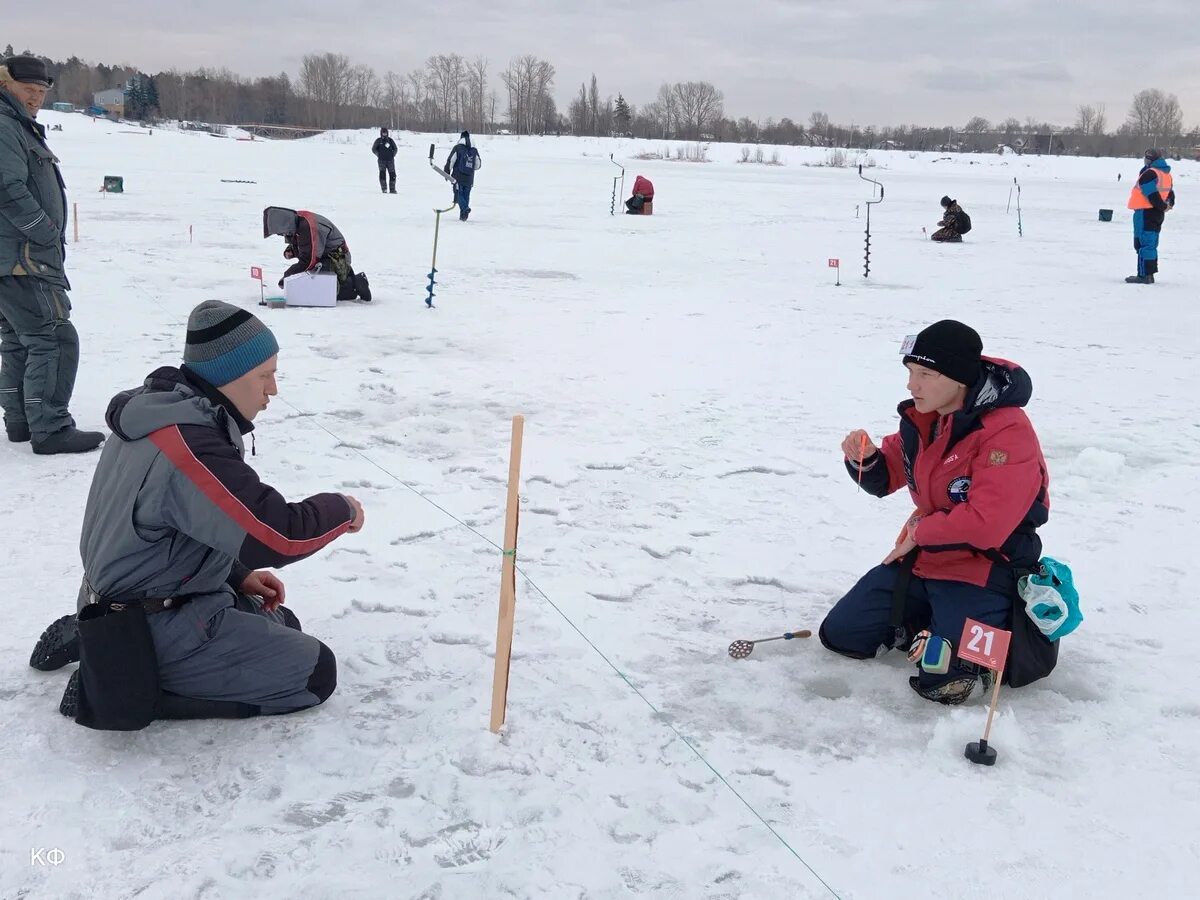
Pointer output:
x,y
39,347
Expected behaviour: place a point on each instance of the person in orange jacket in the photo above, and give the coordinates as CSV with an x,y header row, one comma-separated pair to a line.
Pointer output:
x,y
1150,199
972,463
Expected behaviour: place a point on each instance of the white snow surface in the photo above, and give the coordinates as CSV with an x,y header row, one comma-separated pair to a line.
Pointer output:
x,y
686,380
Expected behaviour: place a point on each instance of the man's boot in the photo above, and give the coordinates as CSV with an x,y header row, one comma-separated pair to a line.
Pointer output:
x,y
18,432
69,704
362,287
58,645
1140,279
951,693
68,440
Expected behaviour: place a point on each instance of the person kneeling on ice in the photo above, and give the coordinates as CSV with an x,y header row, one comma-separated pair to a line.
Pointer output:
x,y
316,244
643,193
954,224
176,618
973,466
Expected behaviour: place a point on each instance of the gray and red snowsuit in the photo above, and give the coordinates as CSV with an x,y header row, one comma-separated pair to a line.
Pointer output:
x,y
175,511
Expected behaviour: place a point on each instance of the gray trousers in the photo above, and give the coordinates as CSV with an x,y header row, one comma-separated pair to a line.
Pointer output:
x,y
241,653
39,355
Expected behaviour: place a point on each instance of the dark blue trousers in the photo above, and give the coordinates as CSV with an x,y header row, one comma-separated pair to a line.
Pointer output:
x,y
462,194
1146,244
860,623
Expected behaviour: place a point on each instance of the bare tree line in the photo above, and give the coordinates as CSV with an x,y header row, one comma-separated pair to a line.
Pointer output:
x,y
531,108
450,93
1154,119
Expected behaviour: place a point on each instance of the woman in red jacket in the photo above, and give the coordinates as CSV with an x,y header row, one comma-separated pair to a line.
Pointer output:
x,y
973,466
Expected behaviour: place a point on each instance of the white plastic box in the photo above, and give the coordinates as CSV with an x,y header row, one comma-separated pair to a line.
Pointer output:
x,y
311,289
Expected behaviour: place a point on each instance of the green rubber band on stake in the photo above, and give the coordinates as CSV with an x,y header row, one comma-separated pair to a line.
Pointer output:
x,y
511,553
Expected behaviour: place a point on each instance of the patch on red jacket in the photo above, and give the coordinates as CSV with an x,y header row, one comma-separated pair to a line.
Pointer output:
x,y
997,458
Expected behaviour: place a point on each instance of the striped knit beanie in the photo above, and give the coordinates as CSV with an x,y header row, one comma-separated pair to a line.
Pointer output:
x,y
225,342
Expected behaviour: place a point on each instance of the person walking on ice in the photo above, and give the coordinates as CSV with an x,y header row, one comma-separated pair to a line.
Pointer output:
x,y
461,165
384,149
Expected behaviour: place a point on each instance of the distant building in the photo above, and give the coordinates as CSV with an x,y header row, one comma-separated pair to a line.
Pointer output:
x,y
61,106
111,101
1045,144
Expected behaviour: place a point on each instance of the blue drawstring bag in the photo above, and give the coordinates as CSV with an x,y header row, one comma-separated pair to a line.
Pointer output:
x,y
1051,600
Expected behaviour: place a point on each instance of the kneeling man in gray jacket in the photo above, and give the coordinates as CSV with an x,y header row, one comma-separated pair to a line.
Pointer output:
x,y
178,529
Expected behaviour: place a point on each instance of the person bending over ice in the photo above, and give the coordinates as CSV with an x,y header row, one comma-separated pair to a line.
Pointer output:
x,y
316,245
954,223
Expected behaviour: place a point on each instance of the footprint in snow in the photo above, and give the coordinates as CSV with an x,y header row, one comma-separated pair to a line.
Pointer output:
x,y
667,554
307,815
464,844
413,538
1182,711
757,470
457,640
330,352
764,581
400,789
619,598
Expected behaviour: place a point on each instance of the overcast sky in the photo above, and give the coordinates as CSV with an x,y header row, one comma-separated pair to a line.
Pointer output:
x,y
861,61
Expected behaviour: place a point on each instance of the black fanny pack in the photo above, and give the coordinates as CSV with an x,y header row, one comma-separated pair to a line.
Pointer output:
x,y
118,668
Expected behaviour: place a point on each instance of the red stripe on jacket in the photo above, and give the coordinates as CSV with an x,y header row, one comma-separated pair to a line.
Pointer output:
x,y
171,442
311,219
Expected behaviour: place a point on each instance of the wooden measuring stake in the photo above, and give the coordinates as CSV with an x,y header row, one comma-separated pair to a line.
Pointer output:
x,y
987,729
508,580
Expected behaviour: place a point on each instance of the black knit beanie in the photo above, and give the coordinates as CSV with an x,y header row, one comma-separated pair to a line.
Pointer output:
x,y
224,342
946,201
949,347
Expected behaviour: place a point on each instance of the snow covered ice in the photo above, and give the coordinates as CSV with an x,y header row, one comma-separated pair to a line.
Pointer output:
x,y
686,380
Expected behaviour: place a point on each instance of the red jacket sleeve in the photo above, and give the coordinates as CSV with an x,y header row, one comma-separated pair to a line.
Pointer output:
x,y
1004,485
883,473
